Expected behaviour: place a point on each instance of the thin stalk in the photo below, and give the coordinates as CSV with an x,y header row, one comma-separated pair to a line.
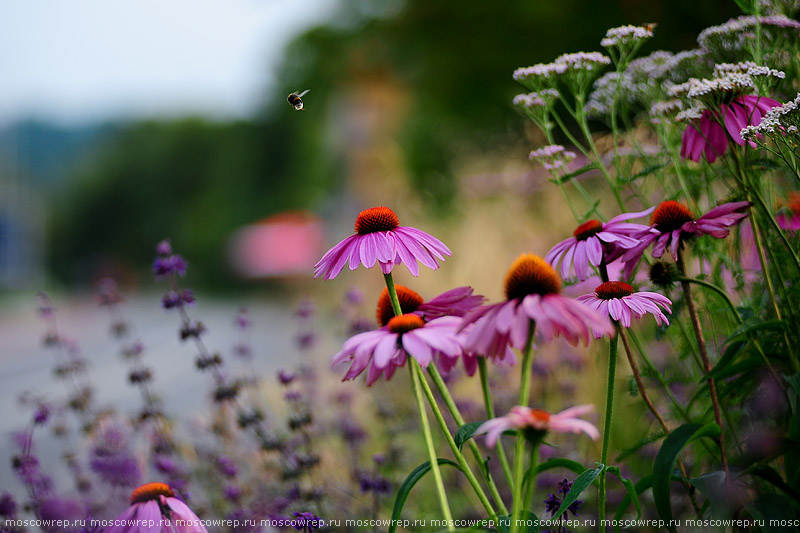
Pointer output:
x,y
738,318
530,490
487,401
413,366
701,346
426,431
612,370
476,453
519,450
638,377
437,413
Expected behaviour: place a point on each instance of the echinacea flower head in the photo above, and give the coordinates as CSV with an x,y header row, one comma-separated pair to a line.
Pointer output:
x,y
622,303
455,302
595,242
152,503
710,135
672,222
535,422
379,238
532,290
384,350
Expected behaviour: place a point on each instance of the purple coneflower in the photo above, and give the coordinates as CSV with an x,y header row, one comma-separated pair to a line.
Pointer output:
x,y
384,350
622,303
595,242
380,238
525,418
455,302
672,222
532,290
706,135
156,502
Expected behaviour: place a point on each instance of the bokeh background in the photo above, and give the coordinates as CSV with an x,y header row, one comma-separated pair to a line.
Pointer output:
x,y
124,123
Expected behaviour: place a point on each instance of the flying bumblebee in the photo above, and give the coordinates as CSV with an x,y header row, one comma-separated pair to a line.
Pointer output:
x,y
296,99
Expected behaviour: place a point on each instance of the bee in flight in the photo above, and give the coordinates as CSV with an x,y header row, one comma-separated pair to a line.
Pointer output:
x,y
296,99
649,26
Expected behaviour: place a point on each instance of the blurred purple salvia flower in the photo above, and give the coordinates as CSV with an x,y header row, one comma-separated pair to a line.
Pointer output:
x,y
286,378
227,467
8,507
164,248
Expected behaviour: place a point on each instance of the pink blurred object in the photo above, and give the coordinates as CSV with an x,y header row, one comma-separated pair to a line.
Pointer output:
x,y
283,245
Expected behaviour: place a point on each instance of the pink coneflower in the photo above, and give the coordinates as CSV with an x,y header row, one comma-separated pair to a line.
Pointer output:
x,y
532,290
380,238
384,350
455,302
706,135
672,222
525,418
622,303
791,221
152,503
596,242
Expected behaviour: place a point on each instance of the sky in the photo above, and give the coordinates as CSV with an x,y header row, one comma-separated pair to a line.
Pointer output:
x,y
82,61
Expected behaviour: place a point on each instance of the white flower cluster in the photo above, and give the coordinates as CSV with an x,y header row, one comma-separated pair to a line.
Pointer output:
x,y
625,34
688,115
553,156
682,89
542,70
538,99
757,71
583,60
778,119
732,82
664,108
721,69
735,32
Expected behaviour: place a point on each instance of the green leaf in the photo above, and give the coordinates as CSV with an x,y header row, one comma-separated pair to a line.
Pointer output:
x,y
665,463
408,484
773,507
794,395
641,486
728,355
639,445
712,486
753,326
465,433
629,487
644,172
580,484
556,462
583,170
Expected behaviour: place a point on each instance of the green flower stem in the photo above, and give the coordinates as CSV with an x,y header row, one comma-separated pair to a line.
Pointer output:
x,y
519,449
701,346
612,371
437,413
413,368
530,490
487,401
473,446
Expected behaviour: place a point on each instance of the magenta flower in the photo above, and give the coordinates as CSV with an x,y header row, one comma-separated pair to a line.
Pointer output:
x,y
596,242
384,350
152,503
672,222
381,239
532,292
455,302
622,303
707,136
523,418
